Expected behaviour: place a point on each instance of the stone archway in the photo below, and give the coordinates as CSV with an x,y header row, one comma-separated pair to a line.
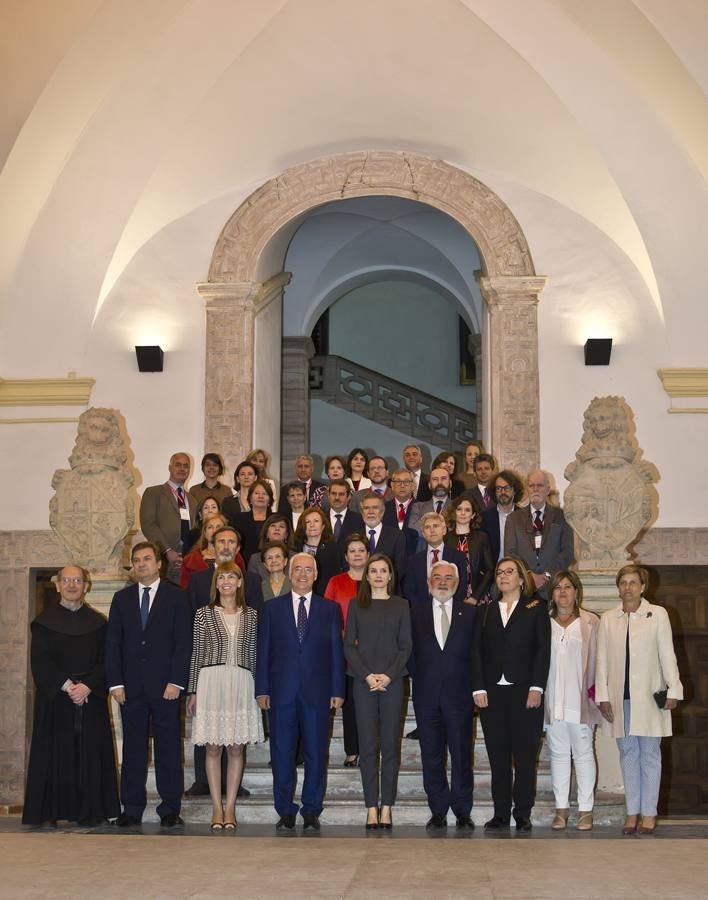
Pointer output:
x,y
245,279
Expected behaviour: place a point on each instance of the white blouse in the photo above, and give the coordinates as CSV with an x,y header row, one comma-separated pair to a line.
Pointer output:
x,y
565,677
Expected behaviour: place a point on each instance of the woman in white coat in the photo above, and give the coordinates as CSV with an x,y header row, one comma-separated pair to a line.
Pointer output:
x,y
635,661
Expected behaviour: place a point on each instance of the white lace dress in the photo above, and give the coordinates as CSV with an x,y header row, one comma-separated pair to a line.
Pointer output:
x,y
227,712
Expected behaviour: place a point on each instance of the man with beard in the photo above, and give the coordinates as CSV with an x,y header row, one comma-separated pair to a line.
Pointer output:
x,y
441,667
382,538
72,767
507,490
440,487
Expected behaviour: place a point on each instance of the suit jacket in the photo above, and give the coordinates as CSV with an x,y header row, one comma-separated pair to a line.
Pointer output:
x,y
250,532
521,651
442,677
145,662
420,509
556,552
351,522
159,516
390,516
415,585
423,492
284,507
355,502
287,669
392,542
200,587
480,558
490,526
475,497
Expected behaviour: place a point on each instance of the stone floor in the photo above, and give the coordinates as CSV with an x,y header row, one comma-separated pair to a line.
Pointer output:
x,y
344,862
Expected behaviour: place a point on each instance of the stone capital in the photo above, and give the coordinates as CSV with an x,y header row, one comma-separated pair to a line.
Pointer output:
x,y
502,289
235,295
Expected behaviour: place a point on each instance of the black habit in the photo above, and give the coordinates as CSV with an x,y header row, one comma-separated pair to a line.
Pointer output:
x,y
72,770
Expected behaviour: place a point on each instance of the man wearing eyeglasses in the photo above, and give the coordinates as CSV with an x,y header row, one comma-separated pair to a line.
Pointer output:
x,y
299,679
441,666
507,490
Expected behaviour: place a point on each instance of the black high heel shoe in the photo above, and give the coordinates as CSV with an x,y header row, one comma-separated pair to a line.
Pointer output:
x,y
371,826
386,826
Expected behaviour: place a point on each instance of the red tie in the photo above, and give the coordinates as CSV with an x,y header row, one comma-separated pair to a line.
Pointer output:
x,y
401,513
436,553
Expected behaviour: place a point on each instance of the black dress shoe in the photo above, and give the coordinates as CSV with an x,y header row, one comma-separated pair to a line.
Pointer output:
x,y
311,823
126,821
285,823
198,789
171,820
436,822
243,792
496,823
465,822
523,824
372,826
413,735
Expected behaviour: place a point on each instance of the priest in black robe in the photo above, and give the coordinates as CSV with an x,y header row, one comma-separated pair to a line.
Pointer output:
x,y
72,767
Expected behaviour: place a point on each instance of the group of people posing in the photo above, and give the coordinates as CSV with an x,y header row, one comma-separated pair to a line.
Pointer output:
x,y
329,596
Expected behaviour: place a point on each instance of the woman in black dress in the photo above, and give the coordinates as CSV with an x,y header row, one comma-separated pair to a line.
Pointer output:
x,y
464,535
313,535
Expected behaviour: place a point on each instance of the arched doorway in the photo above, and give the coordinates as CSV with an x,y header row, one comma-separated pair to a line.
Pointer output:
x,y
246,281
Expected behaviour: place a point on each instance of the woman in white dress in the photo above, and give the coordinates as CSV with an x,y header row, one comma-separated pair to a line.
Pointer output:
x,y
221,689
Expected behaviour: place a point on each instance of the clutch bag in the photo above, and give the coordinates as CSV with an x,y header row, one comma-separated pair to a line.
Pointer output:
x,y
660,698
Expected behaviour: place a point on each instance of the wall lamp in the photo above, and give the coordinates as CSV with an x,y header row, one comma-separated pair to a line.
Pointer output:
x,y
150,359
598,351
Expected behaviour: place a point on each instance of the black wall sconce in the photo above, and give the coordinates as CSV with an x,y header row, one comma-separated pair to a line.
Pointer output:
x,y
150,359
598,351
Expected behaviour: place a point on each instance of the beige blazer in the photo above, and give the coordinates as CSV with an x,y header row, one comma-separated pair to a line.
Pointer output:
x,y
652,667
159,516
589,713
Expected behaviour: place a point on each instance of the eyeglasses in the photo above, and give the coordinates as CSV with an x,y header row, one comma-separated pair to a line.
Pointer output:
x,y
72,580
506,572
307,570
503,490
401,481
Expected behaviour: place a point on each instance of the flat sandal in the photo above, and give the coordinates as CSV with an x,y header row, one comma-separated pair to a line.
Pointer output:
x,y
584,822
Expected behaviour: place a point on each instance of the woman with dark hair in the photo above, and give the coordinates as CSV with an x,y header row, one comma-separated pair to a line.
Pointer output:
x,y
448,460
570,712
200,555
464,535
250,524
510,659
212,469
277,527
357,464
244,477
377,646
637,684
470,453
313,535
221,688
343,589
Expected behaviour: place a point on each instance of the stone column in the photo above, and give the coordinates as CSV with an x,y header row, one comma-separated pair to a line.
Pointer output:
x,y
297,353
475,348
513,381
228,408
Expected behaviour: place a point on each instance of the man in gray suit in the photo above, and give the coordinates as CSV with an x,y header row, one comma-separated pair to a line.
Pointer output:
x,y
167,514
378,475
539,534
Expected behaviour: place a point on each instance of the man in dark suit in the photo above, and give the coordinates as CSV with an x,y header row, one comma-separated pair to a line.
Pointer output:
x,y
383,538
418,566
413,461
507,490
540,534
440,487
300,678
397,511
442,696
304,468
343,520
378,476
167,514
148,649
481,496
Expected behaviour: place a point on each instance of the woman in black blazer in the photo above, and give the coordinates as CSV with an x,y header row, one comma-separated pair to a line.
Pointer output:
x,y
377,644
250,524
511,654
463,523
313,535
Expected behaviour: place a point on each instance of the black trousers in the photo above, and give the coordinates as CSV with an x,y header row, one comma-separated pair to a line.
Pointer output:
x,y
512,734
379,720
351,736
438,727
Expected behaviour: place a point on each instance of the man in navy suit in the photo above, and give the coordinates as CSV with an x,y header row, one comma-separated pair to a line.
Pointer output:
x,y
398,510
148,649
418,566
441,667
383,538
299,678
507,490
343,520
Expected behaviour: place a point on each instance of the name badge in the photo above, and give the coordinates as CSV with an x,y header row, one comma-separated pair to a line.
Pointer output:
x,y
184,514
537,538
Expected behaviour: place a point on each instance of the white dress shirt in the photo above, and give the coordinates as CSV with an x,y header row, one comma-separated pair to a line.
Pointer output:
x,y
430,555
503,516
296,603
377,533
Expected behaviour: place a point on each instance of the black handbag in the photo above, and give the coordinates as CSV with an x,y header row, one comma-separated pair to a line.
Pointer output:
x,y
660,698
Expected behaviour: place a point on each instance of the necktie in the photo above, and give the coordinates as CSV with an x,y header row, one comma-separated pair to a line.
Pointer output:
x,y
372,540
145,607
537,521
444,623
378,490
301,619
436,554
438,506
486,499
337,526
401,513
184,523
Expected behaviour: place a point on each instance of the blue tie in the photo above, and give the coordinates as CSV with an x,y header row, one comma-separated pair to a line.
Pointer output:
x,y
145,607
372,540
301,619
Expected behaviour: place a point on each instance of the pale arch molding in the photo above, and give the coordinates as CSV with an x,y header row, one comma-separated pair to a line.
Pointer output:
x,y
245,282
